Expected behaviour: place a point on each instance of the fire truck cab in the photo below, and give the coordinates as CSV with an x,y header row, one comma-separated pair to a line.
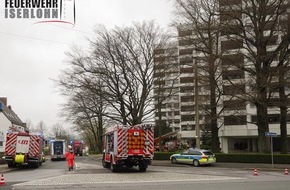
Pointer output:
x,y
128,146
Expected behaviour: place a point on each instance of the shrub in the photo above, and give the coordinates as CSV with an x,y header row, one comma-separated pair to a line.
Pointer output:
x,y
93,152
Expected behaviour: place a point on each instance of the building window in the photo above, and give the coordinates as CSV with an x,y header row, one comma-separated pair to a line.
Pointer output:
x,y
187,117
230,2
187,99
235,105
233,74
231,60
230,15
177,121
233,89
231,44
186,80
186,89
182,33
187,127
185,42
235,120
186,70
272,118
186,60
185,51
187,108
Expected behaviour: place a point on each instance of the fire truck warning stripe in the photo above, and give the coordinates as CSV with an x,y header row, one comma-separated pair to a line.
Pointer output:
x,y
10,148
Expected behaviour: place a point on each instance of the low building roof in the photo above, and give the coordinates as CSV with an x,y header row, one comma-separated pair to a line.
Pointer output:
x,y
11,115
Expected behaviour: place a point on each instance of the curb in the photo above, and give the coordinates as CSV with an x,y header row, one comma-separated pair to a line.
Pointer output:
x,y
4,168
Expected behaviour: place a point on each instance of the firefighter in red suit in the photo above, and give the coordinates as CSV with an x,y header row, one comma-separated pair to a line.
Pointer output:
x,y
67,151
70,159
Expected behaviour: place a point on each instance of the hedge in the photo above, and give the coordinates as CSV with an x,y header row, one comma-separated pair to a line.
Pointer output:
x,y
237,158
162,155
253,158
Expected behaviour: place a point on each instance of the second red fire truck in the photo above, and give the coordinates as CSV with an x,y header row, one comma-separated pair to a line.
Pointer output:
x,y
128,146
78,147
23,148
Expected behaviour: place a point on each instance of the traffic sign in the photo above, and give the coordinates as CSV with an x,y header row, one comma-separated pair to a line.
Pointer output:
x,y
271,134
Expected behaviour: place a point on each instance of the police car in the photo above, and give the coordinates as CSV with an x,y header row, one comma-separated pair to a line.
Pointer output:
x,y
194,156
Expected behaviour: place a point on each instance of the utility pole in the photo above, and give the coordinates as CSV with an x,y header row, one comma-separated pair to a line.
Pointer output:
x,y
196,105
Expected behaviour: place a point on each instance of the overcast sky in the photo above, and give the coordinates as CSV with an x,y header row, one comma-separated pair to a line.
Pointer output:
x,y
33,54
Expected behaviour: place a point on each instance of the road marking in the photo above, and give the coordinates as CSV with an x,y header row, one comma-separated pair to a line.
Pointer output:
x,y
125,178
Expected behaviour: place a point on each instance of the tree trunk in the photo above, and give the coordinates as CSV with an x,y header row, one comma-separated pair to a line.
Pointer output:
x,y
283,111
100,133
263,127
213,107
283,129
214,133
159,127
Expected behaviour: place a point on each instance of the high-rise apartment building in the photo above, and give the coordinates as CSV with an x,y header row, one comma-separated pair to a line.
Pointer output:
x,y
237,123
166,87
240,43
178,75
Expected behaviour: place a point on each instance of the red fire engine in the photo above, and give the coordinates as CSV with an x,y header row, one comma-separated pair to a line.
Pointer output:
x,y
78,147
23,148
128,146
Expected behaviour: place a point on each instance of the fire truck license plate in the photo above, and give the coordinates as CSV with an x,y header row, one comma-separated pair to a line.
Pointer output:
x,y
136,151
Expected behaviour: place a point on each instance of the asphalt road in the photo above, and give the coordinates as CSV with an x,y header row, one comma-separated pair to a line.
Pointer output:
x,y
89,174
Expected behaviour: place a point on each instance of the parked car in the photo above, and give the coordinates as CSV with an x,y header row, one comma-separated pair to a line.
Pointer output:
x,y
194,156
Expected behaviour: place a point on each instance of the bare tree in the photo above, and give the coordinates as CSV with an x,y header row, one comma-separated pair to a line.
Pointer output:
x,y
114,80
86,103
283,83
199,27
255,29
29,124
59,132
123,58
85,108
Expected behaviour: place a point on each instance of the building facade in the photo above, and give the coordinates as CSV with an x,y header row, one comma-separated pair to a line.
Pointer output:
x,y
8,120
238,131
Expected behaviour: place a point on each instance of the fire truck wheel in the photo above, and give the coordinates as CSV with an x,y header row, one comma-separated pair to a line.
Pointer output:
x,y
105,164
129,165
142,168
36,165
11,165
113,167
